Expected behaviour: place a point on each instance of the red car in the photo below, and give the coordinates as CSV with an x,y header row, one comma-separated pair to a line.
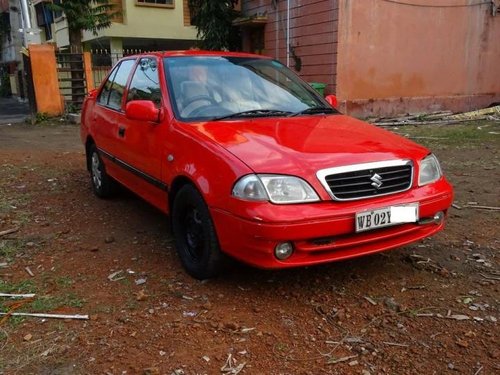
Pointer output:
x,y
249,161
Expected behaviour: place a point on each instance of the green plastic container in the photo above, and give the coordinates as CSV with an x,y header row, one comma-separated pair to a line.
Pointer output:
x,y
319,87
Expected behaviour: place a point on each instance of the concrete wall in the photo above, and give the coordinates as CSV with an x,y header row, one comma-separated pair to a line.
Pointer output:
x,y
395,58
45,81
141,21
313,35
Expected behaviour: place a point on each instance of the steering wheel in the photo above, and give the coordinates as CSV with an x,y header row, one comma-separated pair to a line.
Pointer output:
x,y
196,98
196,102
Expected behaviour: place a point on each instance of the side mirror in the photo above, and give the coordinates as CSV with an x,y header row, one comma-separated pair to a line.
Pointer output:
x,y
142,110
332,100
92,93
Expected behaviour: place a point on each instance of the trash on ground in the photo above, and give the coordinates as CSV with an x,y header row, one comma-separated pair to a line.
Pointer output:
x,y
230,367
115,276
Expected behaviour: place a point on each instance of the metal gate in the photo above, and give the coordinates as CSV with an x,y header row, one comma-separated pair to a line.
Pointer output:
x,y
72,82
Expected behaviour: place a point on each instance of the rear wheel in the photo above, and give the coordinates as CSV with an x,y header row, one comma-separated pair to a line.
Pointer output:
x,y
195,236
102,185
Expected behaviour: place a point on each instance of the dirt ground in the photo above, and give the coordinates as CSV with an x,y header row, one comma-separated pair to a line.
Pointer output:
x,y
428,308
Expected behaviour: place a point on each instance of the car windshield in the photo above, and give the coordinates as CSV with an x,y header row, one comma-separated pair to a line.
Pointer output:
x,y
215,88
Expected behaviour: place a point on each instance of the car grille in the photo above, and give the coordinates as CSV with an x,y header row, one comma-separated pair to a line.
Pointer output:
x,y
367,180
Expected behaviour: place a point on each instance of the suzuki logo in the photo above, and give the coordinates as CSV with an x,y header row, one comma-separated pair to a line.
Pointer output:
x,y
377,181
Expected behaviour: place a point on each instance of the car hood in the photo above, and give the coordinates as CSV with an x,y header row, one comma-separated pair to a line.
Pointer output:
x,y
303,145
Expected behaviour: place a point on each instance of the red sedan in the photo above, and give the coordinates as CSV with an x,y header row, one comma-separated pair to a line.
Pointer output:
x,y
250,162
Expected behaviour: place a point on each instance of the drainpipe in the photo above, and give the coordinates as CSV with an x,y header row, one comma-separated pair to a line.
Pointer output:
x,y
287,33
26,21
26,14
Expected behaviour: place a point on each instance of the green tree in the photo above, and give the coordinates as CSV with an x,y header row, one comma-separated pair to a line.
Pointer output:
x,y
213,20
90,15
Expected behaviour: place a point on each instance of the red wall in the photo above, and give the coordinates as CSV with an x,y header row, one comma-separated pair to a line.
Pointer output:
x,y
313,35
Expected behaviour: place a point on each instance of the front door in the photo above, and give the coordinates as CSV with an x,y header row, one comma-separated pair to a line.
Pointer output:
x,y
145,141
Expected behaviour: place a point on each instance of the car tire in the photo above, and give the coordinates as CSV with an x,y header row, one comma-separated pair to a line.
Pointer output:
x,y
195,237
102,185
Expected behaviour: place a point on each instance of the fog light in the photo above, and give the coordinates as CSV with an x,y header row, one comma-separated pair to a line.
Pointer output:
x,y
438,218
283,250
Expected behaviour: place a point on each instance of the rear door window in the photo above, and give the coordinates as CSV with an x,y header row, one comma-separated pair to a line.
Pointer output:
x,y
112,93
104,96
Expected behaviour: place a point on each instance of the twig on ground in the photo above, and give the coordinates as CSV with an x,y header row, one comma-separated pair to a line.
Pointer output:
x,y
490,277
53,316
490,208
411,287
342,359
454,205
395,344
370,300
414,122
478,370
8,231
436,138
29,295
28,270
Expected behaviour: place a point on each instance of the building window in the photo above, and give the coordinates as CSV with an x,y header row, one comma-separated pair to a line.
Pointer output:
x,y
44,19
57,13
156,3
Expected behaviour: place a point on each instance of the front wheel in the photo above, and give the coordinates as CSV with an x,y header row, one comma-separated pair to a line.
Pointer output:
x,y
102,185
195,236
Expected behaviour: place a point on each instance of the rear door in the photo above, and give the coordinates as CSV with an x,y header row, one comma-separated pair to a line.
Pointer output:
x,y
108,127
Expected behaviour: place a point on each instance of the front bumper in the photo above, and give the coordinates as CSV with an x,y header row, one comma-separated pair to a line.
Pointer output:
x,y
325,231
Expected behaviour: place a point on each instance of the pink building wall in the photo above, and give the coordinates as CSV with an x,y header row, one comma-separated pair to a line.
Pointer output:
x,y
313,35
395,58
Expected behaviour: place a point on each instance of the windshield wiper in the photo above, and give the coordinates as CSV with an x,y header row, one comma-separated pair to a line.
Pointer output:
x,y
313,110
254,113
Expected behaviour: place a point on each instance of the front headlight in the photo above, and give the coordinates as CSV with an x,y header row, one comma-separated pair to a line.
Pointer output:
x,y
430,170
275,188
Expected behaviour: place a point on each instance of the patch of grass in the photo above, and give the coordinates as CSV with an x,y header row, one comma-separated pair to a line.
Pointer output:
x,y
15,321
41,117
131,304
22,287
50,303
16,204
15,248
64,281
107,309
9,249
465,135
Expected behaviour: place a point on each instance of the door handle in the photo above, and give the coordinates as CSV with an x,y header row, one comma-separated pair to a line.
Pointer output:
x,y
121,131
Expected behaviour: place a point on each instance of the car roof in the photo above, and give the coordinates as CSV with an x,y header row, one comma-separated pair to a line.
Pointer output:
x,y
195,53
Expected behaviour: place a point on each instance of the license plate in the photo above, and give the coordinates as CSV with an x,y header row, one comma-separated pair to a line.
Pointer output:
x,y
387,216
